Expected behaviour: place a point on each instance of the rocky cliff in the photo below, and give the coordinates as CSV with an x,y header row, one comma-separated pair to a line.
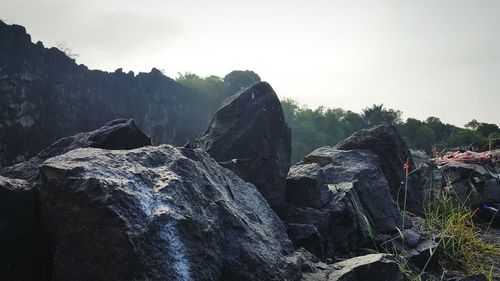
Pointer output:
x,y
45,95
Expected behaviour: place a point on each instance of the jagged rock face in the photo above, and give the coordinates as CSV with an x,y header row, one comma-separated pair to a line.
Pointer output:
x,y
45,96
117,134
347,201
248,135
392,151
374,267
157,213
24,253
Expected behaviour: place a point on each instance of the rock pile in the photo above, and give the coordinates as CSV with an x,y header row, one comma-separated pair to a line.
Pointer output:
x,y
106,205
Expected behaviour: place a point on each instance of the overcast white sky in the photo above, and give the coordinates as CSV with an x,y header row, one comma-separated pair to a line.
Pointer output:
x,y
424,57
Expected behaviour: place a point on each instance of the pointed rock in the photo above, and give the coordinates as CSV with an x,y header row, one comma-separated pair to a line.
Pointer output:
x,y
249,136
392,151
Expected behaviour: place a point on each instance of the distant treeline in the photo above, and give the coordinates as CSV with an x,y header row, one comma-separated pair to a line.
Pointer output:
x,y
313,128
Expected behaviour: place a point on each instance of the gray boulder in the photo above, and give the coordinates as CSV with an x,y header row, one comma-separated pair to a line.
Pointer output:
x,y
304,185
420,158
346,199
157,213
24,252
117,134
392,151
308,237
248,135
491,191
469,184
374,267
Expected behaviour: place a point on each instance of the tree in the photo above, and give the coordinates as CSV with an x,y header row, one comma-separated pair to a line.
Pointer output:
x,y
63,47
486,129
238,80
377,114
212,88
472,125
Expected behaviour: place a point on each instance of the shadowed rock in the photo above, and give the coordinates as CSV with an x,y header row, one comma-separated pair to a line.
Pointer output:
x,y
392,151
345,198
45,96
117,134
24,252
157,213
249,136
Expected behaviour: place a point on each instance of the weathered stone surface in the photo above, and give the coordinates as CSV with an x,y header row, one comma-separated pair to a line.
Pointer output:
x,y
157,213
248,135
319,218
351,198
304,185
491,191
360,169
469,184
374,267
392,151
308,237
45,96
420,157
24,252
302,261
425,256
117,134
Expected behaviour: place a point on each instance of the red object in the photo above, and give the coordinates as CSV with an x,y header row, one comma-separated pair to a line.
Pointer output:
x,y
465,157
407,165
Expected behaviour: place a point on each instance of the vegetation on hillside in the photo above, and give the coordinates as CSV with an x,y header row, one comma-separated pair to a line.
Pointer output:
x,y
313,128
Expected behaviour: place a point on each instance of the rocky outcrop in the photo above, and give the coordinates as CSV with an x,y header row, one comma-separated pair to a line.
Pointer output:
x,y
338,200
374,267
117,134
249,136
24,253
45,96
471,185
157,213
392,152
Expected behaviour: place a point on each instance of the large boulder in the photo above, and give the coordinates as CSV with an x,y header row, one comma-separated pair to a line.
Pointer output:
x,y
345,199
117,134
24,252
374,267
393,153
157,213
248,135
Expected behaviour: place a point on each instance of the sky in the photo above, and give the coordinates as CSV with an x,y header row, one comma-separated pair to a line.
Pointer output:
x,y
424,57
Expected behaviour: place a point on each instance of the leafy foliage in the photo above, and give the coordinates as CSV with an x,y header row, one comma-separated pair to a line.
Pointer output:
x,y
215,89
313,128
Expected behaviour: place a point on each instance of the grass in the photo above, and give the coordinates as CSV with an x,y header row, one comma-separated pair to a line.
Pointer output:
x,y
459,243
